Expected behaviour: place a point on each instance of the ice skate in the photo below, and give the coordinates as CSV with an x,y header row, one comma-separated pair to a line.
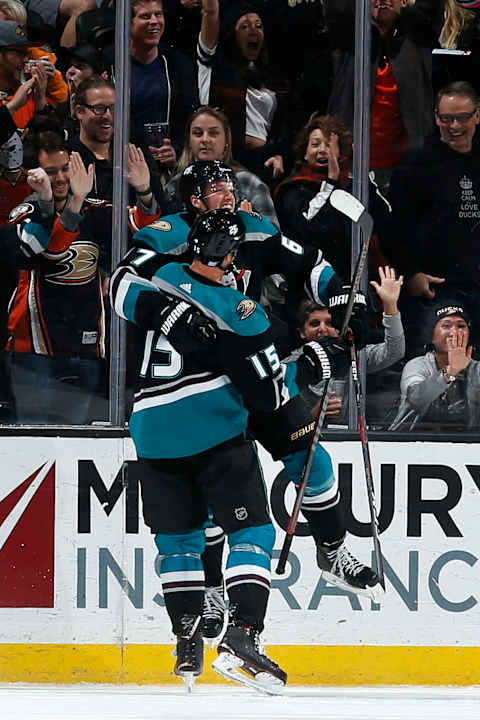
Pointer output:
x,y
214,611
241,659
189,652
340,567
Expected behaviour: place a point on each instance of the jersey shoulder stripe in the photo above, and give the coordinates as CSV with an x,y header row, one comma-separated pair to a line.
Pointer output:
x,y
257,226
230,309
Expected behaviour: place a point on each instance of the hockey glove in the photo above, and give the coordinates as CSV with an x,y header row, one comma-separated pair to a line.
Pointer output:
x,y
359,325
330,358
186,328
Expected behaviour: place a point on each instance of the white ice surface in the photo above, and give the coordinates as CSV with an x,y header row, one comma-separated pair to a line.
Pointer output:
x,y
107,702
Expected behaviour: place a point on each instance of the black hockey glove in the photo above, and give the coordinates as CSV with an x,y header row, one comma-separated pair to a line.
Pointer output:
x,y
359,325
186,328
329,357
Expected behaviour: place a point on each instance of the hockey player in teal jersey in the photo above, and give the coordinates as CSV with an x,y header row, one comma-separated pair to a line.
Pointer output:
x,y
189,424
207,185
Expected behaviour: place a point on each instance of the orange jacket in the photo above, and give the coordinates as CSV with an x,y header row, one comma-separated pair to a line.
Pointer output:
x,y
57,88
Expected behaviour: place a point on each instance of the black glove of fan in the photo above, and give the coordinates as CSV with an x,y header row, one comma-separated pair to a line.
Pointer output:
x,y
186,328
329,357
359,325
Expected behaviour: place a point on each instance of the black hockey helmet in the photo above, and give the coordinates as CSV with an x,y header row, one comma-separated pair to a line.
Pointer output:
x,y
214,234
196,177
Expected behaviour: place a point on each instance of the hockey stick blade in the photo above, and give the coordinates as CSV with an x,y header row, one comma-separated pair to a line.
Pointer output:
x,y
349,205
352,208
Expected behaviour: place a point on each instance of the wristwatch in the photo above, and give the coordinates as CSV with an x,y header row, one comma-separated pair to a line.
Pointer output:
x,y
448,378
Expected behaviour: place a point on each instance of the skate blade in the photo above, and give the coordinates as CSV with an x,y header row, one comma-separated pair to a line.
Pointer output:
x,y
188,679
230,667
374,592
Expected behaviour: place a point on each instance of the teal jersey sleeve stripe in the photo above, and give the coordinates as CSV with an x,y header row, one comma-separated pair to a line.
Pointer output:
x,y
324,277
35,236
290,378
257,226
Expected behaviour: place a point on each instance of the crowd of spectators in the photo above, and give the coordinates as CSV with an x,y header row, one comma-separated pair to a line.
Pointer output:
x,y
267,88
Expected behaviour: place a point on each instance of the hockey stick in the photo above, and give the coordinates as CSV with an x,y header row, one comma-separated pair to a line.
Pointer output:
x,y
366,460
355,210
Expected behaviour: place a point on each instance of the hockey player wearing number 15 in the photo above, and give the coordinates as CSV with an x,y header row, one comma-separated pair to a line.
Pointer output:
x,y
209,463
208,185
189,423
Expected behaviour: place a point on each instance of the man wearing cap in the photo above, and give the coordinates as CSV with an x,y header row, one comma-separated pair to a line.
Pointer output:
x,y
441,388
14,53
23,106
57,90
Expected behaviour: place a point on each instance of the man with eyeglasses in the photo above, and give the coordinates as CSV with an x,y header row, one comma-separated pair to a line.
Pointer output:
x,y
435,197
94,107
56,330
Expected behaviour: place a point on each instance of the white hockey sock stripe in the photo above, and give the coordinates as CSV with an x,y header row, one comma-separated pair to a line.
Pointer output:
x,y
183,581
322,500
214,535
244,574
315,504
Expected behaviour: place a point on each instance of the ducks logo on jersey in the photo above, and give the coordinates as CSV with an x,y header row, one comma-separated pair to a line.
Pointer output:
x,y
245,308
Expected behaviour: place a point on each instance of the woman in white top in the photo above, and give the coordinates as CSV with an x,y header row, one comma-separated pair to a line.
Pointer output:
x,y
233,74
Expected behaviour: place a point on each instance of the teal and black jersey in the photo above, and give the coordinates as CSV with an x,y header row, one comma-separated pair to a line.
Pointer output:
x,y
187,404
166,236
26,235
265,251
140,290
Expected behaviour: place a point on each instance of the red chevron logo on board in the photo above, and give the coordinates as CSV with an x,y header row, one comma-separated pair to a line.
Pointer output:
x,y
27,541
